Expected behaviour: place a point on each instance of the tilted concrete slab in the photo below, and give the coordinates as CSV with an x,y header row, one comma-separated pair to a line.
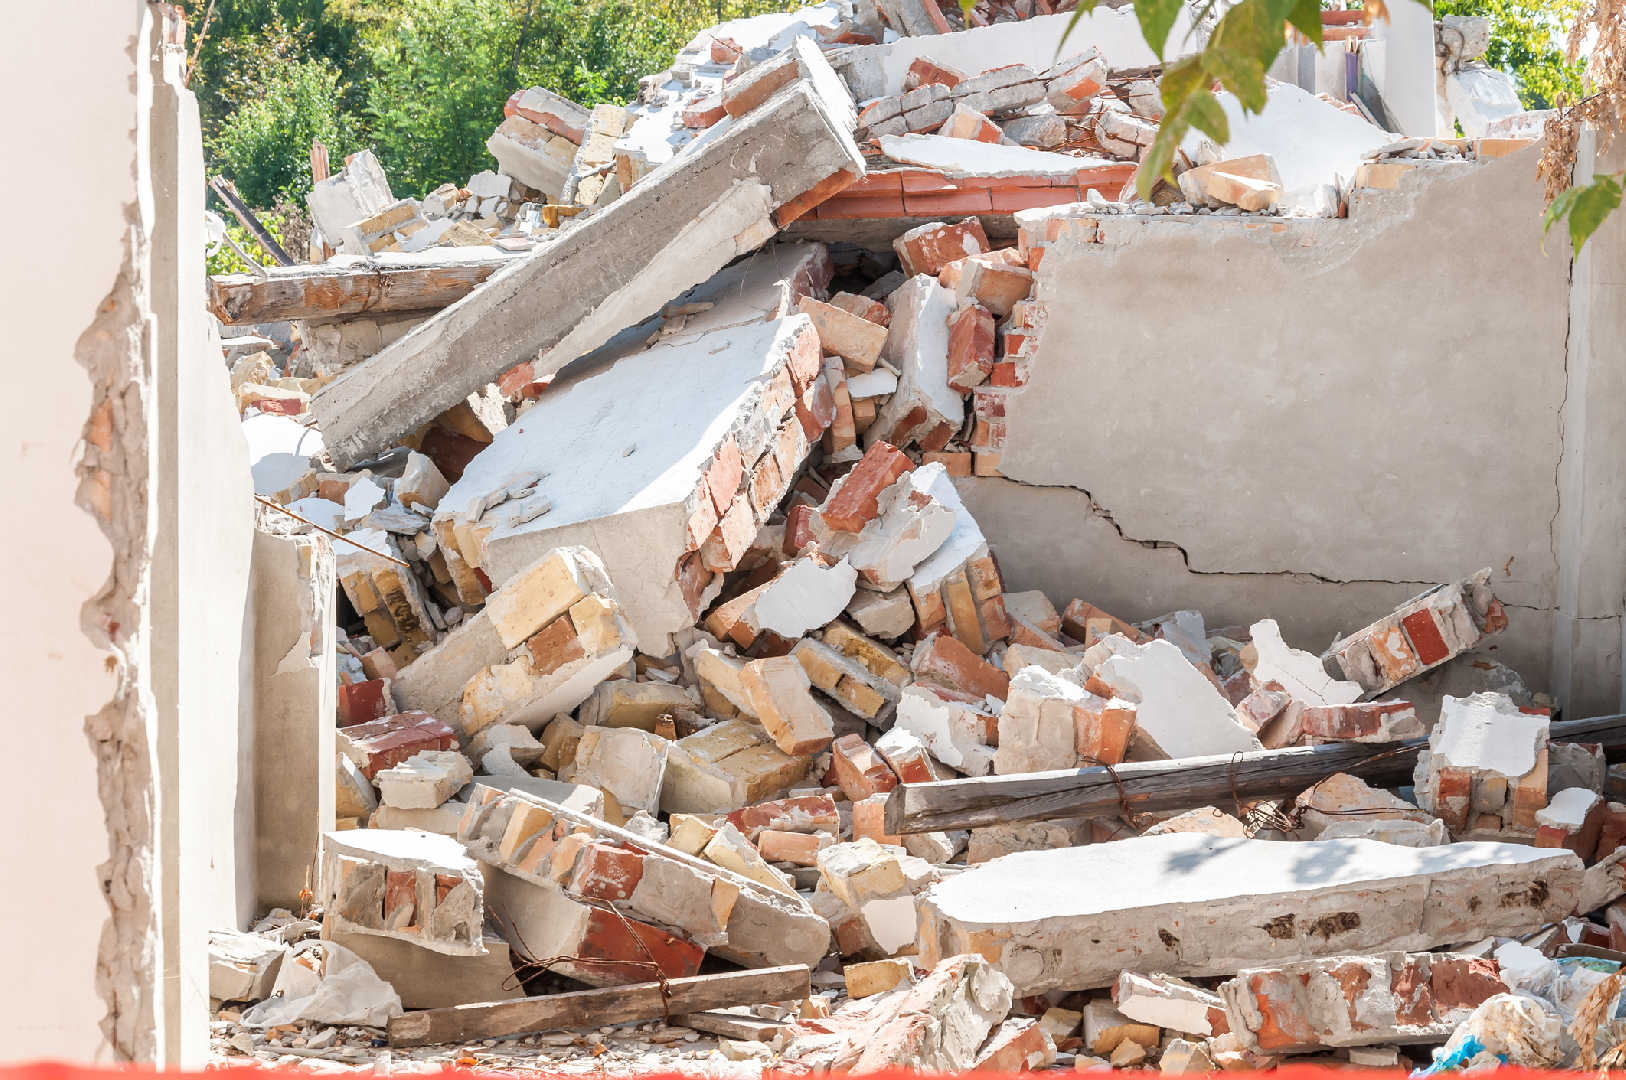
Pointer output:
x,y
681,224
1189,904
631,456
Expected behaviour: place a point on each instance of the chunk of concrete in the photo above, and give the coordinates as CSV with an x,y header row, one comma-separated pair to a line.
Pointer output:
x,y
958,733
413,886
628,762
243,967
1485,770
426,979
1300,674
1167,1002
1177,709
924,408
424,780
1194,905
686,220
725,767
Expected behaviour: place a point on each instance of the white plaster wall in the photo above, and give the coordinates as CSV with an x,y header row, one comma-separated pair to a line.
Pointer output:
x,y
1312,421
1407,59
74,110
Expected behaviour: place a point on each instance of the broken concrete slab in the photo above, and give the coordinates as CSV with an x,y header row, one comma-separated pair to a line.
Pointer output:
x,y
553,860
1178,711
1485,769
426,979
667,506
1190,904
414,886
687,220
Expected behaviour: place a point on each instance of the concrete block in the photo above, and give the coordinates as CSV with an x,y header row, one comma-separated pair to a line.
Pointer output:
x,y
424,780
243,967
412,886
534,155
673,232
993,841
426,979
1249,901
1572,820
1178,711
627,762
806,595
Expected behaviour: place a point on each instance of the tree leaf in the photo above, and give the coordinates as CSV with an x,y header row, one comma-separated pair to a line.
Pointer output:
x,y
1243,45
1209,118
1156,20
1305,15
1159,157
1591,205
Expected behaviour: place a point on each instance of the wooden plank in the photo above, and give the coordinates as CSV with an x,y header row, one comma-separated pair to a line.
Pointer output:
x,y
732,1025
611,1005
323,291
1180,784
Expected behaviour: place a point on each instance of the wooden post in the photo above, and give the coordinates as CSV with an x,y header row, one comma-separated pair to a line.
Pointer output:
x,y
1180,784
597,1008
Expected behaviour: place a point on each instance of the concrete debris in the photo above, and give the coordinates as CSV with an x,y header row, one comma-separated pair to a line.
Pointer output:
x,y
662,588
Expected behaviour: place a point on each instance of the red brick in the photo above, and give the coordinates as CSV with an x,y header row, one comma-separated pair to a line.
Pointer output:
x,y
613,937
1007,374
877,183
692,578
607,871
731,539
855,503
970,347
815,408
724,474
1010,200
1012,1046
724,50
813,196
923,180
360,702
930,251
1464,983
959,201
705,112
390,741
922,72
804,813
1612,834
758,85
843,206
859,769
400,897
1426,639
1451,797
554,646
944,658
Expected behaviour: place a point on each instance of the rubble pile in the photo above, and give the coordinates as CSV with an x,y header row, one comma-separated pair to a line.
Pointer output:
x,y
683,703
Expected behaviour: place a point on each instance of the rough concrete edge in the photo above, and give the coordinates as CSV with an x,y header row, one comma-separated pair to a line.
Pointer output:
x,y
113,470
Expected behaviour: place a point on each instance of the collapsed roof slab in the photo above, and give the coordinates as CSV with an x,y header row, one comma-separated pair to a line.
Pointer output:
x,y
1191,905
676,228
643,459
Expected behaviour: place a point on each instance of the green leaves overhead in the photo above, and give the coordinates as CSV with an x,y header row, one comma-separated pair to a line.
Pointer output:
x,y
1586,207
1239,52
1156,20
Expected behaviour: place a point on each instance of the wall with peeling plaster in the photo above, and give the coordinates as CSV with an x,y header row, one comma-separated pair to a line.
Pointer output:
x,y
1316,420
57,273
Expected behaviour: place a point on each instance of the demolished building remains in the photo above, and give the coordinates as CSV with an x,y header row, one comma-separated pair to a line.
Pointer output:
x,y
746,654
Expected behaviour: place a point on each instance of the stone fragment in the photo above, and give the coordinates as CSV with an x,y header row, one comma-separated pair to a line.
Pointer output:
x,y
1342,799
244,967
425,780
877,977
1180,1056
958,733
780,693
628,762
1359,1000
415,886
1193,905
1300,674
354,796
993,841
420,483
1020,1044
1177,710
806,595
1167,1002
1105,1028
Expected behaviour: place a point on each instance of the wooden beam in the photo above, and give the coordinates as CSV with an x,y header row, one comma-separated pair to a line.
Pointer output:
x,y
733,1025
228,195
1177,785
597,1008
326,291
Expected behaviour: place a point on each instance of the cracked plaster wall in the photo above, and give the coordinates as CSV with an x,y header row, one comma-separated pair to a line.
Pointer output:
x,y
124,650
1315,420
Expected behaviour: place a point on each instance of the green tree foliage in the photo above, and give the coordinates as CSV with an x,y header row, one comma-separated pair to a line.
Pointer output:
x,y
1527,43
264,145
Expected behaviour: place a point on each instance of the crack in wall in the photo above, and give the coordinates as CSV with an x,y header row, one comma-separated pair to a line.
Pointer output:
x,y
113,472
1102,512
